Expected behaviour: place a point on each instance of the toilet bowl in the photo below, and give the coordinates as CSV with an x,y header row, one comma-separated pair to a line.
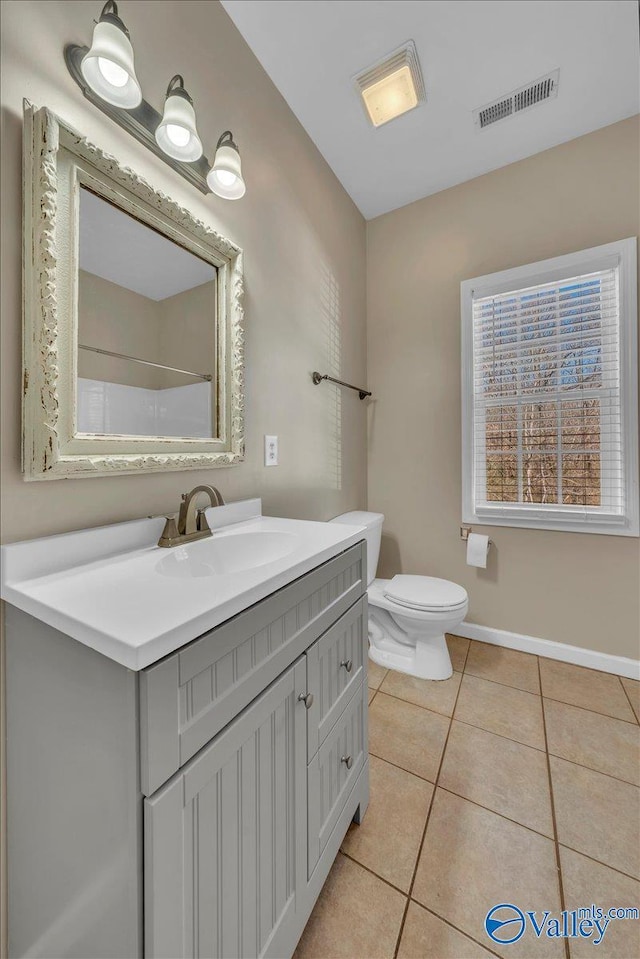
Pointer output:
x,y
408,615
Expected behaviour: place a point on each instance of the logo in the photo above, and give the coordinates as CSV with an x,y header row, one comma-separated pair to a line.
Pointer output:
x,y
505,923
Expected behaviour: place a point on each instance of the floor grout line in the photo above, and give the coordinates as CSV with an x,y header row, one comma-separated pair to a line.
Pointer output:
x,y
616,779
408,895
518,742
409,702
563,702
495,812
426,824
452,715
473,802
403,768
633,722
594,712
368,869
496,682
599,862
413,877
417,902
556,844
626,692
510,739
547,659
516,822
502,815
451,926
466,656
464,722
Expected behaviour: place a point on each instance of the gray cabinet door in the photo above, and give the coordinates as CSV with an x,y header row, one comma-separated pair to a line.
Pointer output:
x,y
333,772
225,838
336,664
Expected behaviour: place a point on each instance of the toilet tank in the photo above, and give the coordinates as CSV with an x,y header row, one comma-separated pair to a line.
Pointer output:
x,y
372,533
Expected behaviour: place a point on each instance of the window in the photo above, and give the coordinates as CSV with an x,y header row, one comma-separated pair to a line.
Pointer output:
x,y
550,402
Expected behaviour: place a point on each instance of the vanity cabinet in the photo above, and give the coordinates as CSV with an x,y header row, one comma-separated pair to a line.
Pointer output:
x,y
189,696
193,808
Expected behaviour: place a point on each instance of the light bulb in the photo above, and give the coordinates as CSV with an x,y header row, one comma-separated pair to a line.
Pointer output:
x,y
178,135
226,177
112,73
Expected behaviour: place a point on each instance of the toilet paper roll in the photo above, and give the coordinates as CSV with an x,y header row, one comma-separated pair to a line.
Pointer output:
x,y
477,549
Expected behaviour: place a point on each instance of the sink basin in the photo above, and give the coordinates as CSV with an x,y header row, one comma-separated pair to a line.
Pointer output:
x,y
225,555
112,589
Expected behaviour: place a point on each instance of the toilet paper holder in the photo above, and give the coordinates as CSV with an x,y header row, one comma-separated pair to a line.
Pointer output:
x,y
464,534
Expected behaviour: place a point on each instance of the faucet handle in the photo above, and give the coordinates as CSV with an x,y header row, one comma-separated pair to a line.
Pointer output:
x,y
170,535
201,520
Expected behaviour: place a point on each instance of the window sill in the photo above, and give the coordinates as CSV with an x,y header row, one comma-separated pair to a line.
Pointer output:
x,y
566,521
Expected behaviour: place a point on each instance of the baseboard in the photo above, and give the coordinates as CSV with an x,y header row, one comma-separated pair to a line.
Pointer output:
x,y
605,662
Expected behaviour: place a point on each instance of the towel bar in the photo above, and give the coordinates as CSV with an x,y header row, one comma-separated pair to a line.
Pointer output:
x,y
319,377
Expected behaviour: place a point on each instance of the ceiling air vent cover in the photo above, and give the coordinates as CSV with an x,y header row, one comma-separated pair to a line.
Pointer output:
x,y
546,88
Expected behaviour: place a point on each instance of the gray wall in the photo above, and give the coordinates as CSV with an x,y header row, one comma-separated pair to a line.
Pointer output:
x,y
304,244
568,587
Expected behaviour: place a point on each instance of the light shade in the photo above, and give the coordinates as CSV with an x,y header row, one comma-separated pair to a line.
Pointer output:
x,y
108,66
392,86
225,176
176,134
391,97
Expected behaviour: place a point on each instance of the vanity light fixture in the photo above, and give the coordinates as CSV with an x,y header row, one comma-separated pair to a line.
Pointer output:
x,y
225,176
106,75
108,66
176,133
392,86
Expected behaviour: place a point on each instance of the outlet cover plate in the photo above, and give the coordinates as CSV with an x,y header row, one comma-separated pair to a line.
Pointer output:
x,y
271,451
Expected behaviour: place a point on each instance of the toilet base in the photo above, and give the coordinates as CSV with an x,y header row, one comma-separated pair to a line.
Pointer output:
x,y
426,657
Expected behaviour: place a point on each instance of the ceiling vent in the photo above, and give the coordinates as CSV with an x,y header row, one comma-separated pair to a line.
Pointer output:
x,y
546,88
392,86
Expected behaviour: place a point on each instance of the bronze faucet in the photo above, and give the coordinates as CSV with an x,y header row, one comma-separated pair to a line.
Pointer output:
x,y
192,521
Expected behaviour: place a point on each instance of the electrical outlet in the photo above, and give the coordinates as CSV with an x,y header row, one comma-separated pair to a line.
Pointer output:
x,y
271,451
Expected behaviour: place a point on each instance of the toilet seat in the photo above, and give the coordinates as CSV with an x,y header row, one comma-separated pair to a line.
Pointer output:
x,y
426,593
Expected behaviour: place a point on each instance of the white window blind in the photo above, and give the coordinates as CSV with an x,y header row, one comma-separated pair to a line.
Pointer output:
x,y
548,396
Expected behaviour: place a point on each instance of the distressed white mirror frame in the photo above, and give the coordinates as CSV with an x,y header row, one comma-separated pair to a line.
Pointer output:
x,y
56,162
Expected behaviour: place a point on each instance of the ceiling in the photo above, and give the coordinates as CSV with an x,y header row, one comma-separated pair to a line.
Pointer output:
x,y
121,249
471,52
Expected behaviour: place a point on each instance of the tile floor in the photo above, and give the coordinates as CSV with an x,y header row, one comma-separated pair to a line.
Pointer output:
x,y
516,780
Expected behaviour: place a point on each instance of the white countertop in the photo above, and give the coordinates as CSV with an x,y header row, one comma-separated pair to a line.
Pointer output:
x,y
115,590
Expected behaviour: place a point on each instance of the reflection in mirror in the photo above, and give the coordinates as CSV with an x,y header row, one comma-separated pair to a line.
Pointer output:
x,y
146,329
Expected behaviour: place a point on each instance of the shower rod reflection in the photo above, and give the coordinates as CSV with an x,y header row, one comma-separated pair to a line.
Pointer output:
x,y
136,359
319,377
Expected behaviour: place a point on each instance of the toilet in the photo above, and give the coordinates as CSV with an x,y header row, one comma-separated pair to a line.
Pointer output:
x,y
408,615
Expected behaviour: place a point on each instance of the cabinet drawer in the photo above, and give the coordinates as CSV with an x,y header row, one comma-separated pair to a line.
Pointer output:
x,y
188,697
331,776
335,667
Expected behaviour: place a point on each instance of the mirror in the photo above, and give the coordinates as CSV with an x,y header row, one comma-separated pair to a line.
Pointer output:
x,y
133,334
146,329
